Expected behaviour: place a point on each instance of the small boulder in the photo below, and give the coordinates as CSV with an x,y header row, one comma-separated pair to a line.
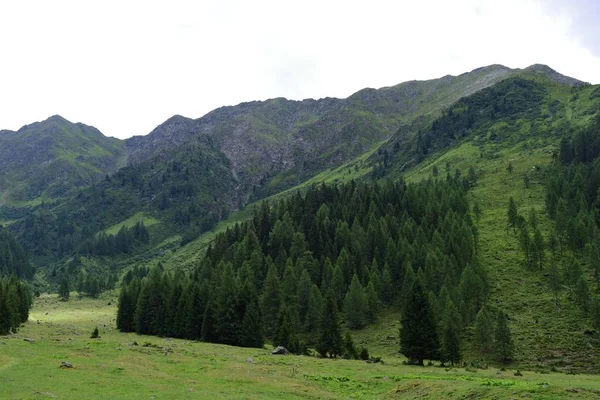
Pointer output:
x,y
29,340
249,360
280,350
66,364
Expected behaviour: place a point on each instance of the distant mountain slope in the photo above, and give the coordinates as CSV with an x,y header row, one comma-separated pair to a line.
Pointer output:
x,y
52,157
279,143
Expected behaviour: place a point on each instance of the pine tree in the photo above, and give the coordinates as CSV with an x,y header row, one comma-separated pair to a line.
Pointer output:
x,y
450,337
252,330
372,302
418,335
484,330
338,286
95,334
271,299
329,342
355,305
503,342
227,319
350,351
313,313
64,290
127,306
407,283
285,334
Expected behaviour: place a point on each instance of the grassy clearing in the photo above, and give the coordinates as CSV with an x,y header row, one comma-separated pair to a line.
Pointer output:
x,y
129,222
162,368
547,336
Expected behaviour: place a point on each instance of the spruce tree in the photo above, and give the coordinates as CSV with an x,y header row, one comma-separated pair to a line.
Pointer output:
x,y
271,299
450,335
227,319
329,342
64,290
285,334
484,330
252,330
418,334
355,305
313,313
503,342
372,302
350,351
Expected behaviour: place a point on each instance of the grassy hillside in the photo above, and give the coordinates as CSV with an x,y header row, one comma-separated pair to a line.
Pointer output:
x,y
50,159
548,336
119,365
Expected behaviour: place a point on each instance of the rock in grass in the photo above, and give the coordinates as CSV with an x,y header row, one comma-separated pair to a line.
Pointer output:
x,y
29,340
65,364
280,350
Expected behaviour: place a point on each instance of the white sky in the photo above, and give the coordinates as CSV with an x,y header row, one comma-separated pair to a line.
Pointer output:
x,y
126,66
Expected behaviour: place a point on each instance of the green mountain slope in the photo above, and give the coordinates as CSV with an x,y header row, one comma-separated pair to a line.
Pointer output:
x,y
187,192
518,122
49,159
277,144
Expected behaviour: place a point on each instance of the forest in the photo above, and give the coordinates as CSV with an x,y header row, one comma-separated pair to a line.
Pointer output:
x,y
347,251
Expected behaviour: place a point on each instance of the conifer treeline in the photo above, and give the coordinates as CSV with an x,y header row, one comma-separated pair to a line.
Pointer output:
x,y
573,202
122,243
15,301
13,259
15,297
348,248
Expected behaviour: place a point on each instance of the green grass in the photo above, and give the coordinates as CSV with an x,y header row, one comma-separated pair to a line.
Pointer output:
x,y
129,222
547,336
162,368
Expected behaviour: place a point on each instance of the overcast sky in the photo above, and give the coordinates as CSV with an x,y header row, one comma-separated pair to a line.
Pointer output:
x,y
126,66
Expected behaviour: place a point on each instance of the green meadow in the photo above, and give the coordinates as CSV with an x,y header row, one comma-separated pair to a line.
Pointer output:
x,y
123,365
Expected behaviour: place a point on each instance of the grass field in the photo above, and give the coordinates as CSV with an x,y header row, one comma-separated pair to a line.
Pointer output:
x,y
128,223
120,365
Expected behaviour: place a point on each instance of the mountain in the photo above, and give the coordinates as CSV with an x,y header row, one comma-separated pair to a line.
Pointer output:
x,y
431,168
52,158
278,143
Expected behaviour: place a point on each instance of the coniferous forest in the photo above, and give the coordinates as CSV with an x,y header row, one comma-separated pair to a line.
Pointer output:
x,y
15,296
304,266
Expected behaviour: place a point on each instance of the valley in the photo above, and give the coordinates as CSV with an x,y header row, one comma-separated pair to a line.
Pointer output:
x,y
258,186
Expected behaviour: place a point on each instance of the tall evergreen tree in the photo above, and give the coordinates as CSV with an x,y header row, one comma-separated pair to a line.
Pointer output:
x,y
228,321
329,342
64,289
252,330
355,305
418,334
484,329
271,299
450,335
503,342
